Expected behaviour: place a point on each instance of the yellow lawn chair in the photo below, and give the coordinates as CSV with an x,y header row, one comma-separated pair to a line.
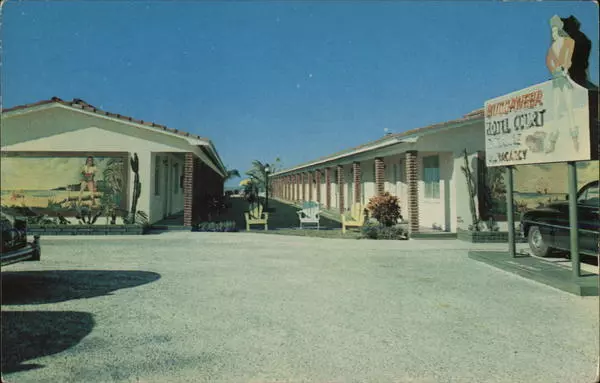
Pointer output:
x,y
357,217
256,216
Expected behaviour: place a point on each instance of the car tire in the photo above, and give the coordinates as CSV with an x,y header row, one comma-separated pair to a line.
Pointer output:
x,y
536,242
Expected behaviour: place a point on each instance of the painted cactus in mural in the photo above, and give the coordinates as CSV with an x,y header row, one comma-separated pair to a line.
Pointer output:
x,y
111,199
137,187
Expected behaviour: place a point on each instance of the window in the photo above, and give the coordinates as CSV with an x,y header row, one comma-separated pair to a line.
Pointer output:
x,y
431,176
176,178
157,175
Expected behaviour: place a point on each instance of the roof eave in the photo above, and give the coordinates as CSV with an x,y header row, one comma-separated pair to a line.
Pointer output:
x,y
400,138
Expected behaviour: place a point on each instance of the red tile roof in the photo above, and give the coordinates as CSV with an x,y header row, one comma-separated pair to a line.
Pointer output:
x,y
80,104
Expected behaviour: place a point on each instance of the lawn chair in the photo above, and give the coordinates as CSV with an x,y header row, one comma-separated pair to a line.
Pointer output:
x,y
256,216
356,219
310,213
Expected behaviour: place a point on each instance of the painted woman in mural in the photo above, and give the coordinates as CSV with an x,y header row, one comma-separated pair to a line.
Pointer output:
x,y
558,61
88,175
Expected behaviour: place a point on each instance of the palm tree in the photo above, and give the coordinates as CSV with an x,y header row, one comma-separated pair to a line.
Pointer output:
x,y
258,173
231,174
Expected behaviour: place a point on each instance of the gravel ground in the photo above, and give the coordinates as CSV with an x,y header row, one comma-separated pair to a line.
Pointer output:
x,y
214,307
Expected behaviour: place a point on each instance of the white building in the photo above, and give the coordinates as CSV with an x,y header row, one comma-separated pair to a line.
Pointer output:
x,y
46,145
422,167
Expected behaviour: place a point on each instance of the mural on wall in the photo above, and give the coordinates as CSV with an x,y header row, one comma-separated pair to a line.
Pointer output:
x,y
534,186
61,184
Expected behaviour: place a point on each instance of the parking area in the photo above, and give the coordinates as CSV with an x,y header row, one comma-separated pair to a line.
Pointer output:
x,y
241,307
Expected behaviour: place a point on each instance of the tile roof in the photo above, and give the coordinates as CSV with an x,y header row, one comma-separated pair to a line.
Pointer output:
x,y
474,115
80,104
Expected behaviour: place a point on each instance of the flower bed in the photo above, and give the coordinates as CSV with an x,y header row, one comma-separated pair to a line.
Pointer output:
x,y
87,229
220,227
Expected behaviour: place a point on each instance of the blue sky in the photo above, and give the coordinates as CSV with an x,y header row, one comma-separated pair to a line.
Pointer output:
x,y
294,79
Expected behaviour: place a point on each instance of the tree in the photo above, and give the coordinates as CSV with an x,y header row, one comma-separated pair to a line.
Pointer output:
x,y
231,174
258,173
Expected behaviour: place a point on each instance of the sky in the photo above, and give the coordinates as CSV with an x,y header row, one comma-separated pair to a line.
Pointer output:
x,y
296,80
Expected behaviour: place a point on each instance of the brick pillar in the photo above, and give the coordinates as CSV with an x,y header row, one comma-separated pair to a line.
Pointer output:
x,y
318,180
286,188
340,182
356,176
327,188
379,176
310,185
412,195
188,188
303,178
298,181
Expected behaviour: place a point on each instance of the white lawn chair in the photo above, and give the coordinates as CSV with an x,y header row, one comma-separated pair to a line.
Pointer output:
x,y
310,213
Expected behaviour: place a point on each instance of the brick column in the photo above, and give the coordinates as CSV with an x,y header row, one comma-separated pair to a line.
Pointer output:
x,y
298,181
318,180
327,188
412,194
340,182
379,176
303,186
188,188
356,176
310,186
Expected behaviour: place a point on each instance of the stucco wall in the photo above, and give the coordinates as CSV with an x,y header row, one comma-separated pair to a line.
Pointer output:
x,y
451,144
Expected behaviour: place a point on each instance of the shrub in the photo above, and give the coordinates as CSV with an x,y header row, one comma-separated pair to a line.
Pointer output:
x,y
379,231
385,209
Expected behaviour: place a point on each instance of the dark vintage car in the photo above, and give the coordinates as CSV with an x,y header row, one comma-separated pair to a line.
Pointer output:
x,y
547,228
15,247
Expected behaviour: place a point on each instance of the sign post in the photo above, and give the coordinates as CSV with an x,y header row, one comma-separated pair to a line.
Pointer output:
x,y
544,123
574,232
510,212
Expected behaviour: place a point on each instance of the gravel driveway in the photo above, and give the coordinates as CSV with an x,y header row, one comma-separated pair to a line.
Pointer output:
x,y
237,307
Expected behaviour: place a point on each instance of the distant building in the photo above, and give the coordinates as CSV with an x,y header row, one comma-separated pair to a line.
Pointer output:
x,y
60,155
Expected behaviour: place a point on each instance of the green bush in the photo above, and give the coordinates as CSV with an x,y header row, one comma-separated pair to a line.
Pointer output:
x,y
385,209
379,231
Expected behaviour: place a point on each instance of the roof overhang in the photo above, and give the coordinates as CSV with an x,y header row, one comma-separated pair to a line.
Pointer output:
x,y
410,138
